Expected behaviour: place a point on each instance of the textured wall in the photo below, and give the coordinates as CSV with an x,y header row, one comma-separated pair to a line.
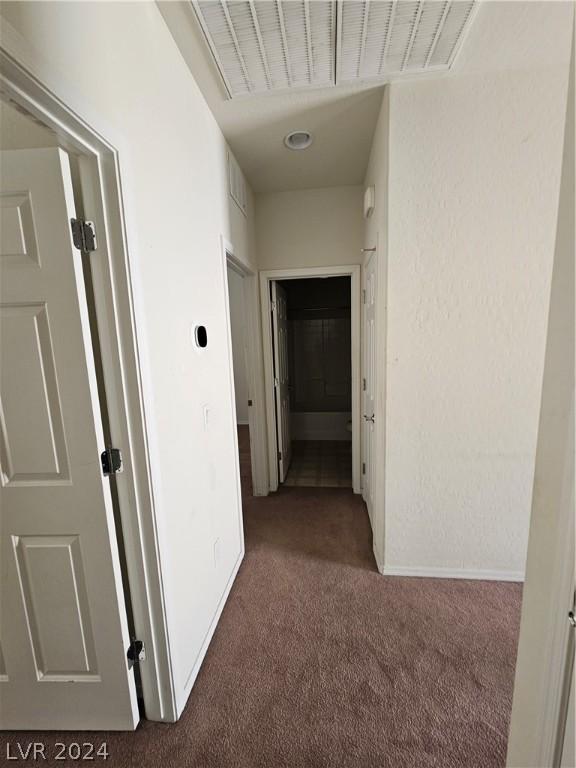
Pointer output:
x,y
473,196
309,228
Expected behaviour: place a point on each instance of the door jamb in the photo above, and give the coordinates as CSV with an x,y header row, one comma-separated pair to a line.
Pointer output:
x,y
257,446
115,312
266,276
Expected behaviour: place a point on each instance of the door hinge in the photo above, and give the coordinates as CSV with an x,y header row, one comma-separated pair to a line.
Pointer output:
x,y
363,467
273,305
279,455
364,296
136,653
249,403
276,382
111,460
364,385
83,235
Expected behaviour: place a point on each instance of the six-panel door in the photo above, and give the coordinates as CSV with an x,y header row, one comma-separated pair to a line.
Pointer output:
x,y
63,631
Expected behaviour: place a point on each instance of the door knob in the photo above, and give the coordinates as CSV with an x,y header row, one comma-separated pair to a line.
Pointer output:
x,y
369,418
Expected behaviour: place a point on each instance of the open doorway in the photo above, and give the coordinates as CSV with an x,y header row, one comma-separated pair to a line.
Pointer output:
x,y
319,381
240,366
311,350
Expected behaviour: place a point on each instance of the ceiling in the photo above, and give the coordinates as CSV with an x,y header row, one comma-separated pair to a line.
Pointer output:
x,y
342,120
503,35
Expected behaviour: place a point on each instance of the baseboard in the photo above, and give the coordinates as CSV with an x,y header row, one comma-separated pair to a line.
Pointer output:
x,y
200,658
242,423
450,573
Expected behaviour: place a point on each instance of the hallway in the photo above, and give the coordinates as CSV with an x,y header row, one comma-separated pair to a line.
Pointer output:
x,y
318,661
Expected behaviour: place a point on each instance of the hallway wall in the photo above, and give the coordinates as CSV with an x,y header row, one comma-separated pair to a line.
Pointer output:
x,y
137,92
474,172
309,227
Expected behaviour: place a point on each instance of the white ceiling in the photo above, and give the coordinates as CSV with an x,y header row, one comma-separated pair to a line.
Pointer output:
x,y
342,119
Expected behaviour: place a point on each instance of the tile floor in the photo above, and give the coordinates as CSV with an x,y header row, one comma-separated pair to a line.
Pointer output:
x,y
321,463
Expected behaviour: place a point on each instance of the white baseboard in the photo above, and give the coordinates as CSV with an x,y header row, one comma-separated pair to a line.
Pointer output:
x,y
241,423
449,573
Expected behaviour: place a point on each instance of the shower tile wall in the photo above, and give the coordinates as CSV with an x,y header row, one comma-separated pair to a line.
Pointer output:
x,y
321,368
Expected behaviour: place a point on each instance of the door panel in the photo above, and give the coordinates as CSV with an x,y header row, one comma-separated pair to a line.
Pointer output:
x,y
281,377
64,631
369,383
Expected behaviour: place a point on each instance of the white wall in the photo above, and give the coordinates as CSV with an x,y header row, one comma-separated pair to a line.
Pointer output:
x,y
134,88
238,333
309,228
474,168
548,591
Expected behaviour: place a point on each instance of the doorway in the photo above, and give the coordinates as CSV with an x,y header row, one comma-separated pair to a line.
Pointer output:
x,y
312,371
319,381
236,276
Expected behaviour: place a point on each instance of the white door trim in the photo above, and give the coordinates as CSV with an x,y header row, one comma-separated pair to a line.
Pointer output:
x,y
256,413
353,271
114,305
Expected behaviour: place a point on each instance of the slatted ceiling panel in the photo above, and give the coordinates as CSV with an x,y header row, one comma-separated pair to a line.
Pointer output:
x,y
457,18
246,30
297,26
429,25
323,25
379,38
268,15
265,45
353,15
403,25
268,45
215,23
376,36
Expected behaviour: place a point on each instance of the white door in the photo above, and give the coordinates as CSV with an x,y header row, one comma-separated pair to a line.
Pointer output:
x,y
281,380
63,622
368,382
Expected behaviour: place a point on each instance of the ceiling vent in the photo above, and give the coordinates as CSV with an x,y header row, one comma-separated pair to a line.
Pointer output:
x,y
273,45
268,46
380,39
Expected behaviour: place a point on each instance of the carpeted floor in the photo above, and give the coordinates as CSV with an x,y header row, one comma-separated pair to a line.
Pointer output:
x,y
320,662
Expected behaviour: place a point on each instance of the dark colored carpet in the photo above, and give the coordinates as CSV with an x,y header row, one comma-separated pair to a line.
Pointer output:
x,y
319,661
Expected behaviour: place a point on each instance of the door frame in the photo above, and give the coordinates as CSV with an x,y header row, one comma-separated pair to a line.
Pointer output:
x,y
371,254
266,276
378,520
114,304
256,414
